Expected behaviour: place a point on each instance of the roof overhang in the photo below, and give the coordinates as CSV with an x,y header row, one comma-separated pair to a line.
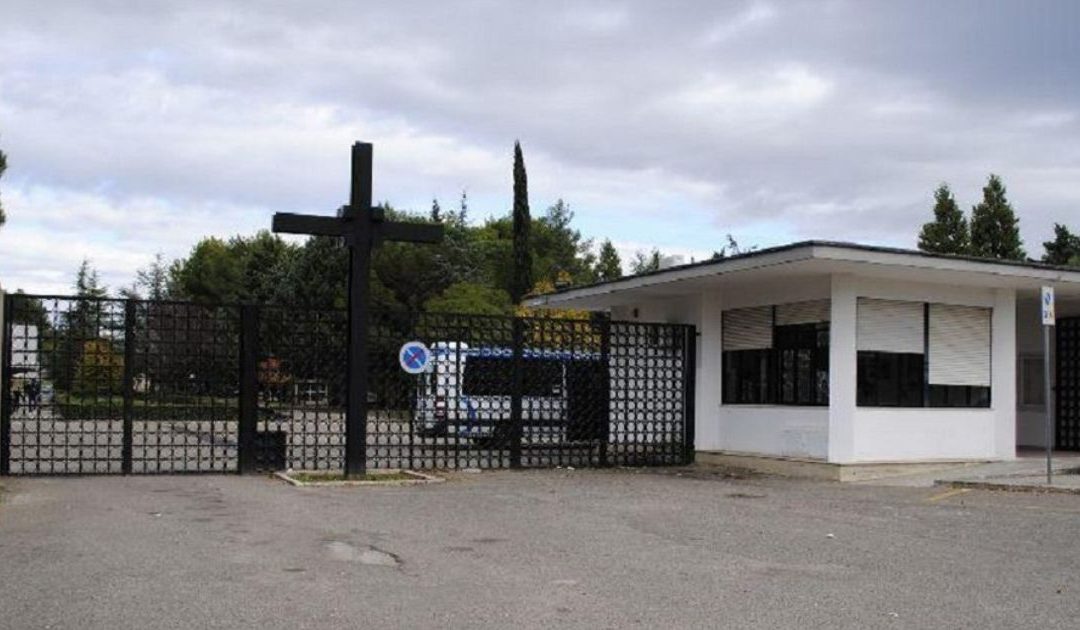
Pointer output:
x,y
801,261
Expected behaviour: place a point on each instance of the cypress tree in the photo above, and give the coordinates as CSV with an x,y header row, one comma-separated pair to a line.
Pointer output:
x,y
948,232
3,167
1064,249
995,230
521,280
608,265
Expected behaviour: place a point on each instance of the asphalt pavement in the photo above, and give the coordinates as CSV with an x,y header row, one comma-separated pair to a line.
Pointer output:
x,y
533,549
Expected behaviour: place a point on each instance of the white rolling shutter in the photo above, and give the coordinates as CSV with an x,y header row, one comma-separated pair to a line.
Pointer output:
x,y
889,326
748,328
811,312
959,345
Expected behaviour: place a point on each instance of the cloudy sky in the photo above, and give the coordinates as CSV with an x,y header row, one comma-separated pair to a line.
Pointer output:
x,y
136,127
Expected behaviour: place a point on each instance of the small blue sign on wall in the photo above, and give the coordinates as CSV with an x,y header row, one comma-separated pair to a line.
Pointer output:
x,y
414,357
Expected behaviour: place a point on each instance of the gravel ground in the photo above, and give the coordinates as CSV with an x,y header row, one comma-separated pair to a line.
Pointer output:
x,y
587,549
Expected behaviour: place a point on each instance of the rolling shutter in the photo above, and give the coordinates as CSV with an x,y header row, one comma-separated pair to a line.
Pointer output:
x,y
959,345
748,328
811,312
889,326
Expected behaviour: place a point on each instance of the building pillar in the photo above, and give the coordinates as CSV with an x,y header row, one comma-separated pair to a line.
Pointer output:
x,y
842,369
708,431
1003,372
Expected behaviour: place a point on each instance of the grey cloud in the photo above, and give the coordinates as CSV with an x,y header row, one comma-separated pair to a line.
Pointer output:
x,y
831,119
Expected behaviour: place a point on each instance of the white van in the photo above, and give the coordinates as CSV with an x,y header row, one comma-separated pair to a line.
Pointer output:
x,y
467,393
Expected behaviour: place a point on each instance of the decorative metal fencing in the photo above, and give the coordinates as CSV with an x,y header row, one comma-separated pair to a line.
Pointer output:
x,y
134,386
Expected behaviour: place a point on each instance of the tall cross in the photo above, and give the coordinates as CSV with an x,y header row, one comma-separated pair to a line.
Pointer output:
x,y
363,228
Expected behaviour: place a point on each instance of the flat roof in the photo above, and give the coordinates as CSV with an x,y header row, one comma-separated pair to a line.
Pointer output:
x,y
997,272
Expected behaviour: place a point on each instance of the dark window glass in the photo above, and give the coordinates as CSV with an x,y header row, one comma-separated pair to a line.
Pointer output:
x,y
746,376
959,396
890,379
494,376
794,372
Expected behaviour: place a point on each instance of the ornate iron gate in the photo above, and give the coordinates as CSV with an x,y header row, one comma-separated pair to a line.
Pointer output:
x,y
134,386
1067,386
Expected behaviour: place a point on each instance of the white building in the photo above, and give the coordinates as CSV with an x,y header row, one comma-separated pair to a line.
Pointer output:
x,y
848,354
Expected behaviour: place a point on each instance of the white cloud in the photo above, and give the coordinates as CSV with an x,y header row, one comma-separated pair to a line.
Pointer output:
x,y
149,126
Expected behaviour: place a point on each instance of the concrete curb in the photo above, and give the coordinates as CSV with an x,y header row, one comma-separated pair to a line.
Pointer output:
x,y
1008,487
419,479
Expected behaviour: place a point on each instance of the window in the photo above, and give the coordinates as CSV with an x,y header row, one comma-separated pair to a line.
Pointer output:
x,y
803,365
494,376
890,379
1032,383
912,354
777,355
746,377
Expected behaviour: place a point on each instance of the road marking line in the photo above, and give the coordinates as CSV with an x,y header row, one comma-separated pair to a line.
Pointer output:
x,y
948,493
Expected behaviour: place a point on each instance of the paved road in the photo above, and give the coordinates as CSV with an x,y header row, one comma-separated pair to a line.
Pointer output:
x,y
588,549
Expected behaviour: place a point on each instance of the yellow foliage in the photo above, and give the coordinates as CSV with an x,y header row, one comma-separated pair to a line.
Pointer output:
x,y
569,329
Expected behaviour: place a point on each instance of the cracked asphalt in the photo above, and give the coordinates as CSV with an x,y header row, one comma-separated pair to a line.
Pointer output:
x,y
532,549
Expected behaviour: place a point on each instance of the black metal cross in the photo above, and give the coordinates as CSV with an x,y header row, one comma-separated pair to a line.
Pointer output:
x,y
363,227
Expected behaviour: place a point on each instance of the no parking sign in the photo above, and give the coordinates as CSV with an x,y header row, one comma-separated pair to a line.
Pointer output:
x,y
414,357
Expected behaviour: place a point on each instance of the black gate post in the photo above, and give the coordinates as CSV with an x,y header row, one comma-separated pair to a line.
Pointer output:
x,y
5,385
129,386
689,393
516,426
603,417
246,457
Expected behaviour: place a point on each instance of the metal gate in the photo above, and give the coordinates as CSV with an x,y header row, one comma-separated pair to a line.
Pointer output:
x,y
136,386
1067,386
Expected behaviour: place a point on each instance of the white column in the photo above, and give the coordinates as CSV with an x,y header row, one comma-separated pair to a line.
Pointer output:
x,y
707,429
1003,372
842,370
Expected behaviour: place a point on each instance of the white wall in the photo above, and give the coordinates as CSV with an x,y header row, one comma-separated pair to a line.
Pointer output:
x,y
923,434
779,430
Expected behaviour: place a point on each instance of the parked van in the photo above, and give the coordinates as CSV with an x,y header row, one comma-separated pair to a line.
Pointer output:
x,y
467,392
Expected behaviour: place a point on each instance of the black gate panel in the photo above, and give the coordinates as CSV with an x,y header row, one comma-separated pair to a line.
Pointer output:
x,y
1068,384
118,386
141,386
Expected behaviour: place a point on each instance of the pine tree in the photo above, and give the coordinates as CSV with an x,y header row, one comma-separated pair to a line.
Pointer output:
x,y
154,279
995,230
608,265
463,209
436,211
948,232
3,167
521,280
646,263
1064,249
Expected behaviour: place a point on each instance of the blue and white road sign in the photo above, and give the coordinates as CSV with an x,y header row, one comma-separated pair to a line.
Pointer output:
x,y
414,357
1048,315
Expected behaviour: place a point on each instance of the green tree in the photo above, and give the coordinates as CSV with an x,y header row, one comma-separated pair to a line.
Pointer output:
x,y
995,230
948,232
240,270
1064,249
645,263
608,265
317,277
559,252
211,274
471,298
521,282
87,282
3,167
436,211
